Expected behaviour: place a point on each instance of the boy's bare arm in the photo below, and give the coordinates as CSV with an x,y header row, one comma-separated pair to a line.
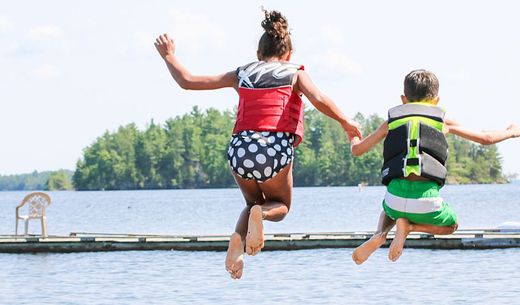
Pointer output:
x,y
166,48
482,137
361,146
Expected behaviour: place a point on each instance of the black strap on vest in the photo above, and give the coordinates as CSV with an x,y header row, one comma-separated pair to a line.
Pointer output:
x,y
430,146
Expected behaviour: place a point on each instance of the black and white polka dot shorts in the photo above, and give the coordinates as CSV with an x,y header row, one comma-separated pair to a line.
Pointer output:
x,y
260,155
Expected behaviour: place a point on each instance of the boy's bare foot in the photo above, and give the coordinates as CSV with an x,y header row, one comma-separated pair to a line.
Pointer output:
x,y
235,256
363,252
396,247
255,231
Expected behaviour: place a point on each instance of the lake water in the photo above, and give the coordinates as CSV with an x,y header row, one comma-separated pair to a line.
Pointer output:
x,y
325,276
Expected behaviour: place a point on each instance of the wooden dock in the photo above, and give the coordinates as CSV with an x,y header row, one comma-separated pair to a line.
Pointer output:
x,y
93,242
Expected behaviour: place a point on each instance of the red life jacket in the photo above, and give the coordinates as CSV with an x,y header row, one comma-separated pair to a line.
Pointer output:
x,y
267,101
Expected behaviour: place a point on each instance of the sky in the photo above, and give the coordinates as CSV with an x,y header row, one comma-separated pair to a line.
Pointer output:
x,y
71,70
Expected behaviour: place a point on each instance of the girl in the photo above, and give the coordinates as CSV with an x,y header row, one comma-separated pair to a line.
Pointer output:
x,y
269,126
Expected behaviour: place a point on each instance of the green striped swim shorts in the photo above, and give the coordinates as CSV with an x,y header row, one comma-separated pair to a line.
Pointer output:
x,y
419,202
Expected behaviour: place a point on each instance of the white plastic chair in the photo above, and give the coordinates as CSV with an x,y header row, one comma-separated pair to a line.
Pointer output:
x,y
37,202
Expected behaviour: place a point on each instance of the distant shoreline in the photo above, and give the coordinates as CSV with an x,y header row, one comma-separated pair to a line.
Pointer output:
x,y
231,187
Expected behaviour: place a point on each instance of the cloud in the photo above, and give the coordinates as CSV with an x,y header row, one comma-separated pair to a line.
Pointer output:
x,y
195,31
22,49
144,40
458,75
36,41
45,31
340,63
332,34
333,57
45,71
5,24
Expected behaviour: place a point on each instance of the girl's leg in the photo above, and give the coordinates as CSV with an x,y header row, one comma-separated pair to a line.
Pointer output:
x,y
235,254
404,227
253,195
363,252
278,196
270,200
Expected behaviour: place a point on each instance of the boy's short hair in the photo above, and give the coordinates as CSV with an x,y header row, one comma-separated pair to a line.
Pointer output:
x,y
420,85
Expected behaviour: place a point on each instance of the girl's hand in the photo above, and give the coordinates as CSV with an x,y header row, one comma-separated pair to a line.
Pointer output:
x,y
515,130
165,45
352,128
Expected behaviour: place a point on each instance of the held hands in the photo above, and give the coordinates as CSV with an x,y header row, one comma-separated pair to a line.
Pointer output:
x,y
165,45
352,129
515,130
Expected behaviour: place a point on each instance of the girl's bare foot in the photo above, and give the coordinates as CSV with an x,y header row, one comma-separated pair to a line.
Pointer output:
x,y
255,231
235,256
363,252
397,245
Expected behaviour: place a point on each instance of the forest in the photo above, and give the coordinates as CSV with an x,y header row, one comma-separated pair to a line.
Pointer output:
x,y
189,151
58,180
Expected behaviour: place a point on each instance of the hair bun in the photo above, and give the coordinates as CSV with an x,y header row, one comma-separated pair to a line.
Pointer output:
x,y
275,24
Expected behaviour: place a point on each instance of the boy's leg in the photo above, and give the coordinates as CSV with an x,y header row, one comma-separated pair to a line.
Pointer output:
x,y
418,207
235,253
404,227
401,233
363,252
431,229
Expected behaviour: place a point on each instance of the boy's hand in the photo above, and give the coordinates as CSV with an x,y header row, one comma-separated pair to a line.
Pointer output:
x,y
515,130
352,128
165,45
354,140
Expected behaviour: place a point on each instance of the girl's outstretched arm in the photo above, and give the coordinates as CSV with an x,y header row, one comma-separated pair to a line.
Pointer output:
x,y
325,105
166,48
482,137
361,146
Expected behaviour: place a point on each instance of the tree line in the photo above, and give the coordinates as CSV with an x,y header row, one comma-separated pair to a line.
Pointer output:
x,y
189,151
46,180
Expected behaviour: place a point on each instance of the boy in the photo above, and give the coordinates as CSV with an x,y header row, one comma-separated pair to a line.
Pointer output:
x,y
414,169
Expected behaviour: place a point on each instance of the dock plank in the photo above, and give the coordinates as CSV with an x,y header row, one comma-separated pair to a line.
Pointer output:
x,y
93,242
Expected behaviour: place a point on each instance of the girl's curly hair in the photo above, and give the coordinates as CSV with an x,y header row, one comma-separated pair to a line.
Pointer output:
x,y
276,40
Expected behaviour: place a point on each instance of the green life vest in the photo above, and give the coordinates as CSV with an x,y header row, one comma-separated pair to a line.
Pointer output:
x,y
415,143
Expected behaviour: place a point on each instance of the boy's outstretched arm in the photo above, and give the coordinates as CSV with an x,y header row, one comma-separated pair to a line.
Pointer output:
x,y
482,137
325,105
166,48
360,147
